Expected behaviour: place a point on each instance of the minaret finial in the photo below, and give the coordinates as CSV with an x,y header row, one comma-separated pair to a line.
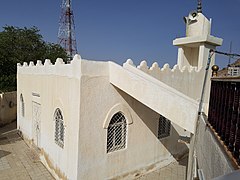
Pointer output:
x,y
199,7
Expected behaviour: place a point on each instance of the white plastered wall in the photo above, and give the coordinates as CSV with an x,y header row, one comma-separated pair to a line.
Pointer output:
x,y
52,86
98,97
84,94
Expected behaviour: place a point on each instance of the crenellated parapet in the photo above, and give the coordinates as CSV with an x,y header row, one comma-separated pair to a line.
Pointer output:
x,y
48,68
187,80
47,62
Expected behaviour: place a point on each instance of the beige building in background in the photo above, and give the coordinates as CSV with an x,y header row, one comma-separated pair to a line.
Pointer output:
x,y
100,120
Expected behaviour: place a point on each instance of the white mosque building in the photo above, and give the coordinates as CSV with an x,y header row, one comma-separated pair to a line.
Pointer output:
x,y
101,120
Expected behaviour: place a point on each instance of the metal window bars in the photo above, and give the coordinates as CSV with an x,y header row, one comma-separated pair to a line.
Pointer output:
x,y
59,128
164,127
116,133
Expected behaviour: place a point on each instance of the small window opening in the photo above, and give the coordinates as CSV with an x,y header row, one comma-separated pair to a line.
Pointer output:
x,y
116,133
164,127
22,108
59,128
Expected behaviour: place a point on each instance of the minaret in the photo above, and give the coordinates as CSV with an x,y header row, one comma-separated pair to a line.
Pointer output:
x,y
193,49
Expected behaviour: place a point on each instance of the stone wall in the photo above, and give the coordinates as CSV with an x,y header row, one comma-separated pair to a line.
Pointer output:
x,y
211,157
8,107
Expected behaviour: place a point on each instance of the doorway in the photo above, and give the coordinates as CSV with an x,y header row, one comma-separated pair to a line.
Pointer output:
x,y
36,110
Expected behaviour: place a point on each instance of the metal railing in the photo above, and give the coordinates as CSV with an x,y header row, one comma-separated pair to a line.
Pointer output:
x,y
224,112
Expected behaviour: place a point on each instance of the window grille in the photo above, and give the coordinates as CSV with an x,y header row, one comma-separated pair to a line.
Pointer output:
x,y
116,133
59,128
164,127
22,106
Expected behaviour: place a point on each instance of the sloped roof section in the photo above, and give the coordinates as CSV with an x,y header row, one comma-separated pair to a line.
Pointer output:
x,y
174,105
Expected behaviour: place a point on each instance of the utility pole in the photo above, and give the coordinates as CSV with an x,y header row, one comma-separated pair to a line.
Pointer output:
x,y
66,32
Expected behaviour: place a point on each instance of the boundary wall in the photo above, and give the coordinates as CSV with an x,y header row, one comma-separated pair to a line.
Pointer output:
x,y
8,107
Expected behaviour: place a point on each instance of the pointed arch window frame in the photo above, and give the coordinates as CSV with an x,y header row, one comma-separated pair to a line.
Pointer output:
x,y
59,127
119,107
117,133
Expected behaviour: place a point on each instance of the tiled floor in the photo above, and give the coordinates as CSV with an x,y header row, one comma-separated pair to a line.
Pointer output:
x,y
17,160
174,171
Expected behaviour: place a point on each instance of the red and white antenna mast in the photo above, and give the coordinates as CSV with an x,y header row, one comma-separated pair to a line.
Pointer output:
x,y
66,35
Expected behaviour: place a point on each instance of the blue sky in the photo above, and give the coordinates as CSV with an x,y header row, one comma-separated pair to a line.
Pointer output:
x,y
118,30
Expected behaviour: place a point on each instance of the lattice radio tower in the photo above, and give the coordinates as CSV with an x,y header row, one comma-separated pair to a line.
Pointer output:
x,y
66,35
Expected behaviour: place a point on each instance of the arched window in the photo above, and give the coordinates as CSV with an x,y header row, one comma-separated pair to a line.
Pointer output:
x,y
116,133
59,128
22,108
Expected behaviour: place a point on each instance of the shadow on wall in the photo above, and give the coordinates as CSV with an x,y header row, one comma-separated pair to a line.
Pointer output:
x,y
171,143
3,153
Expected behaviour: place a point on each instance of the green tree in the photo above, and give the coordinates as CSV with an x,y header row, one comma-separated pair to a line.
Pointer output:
x,y
18,45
